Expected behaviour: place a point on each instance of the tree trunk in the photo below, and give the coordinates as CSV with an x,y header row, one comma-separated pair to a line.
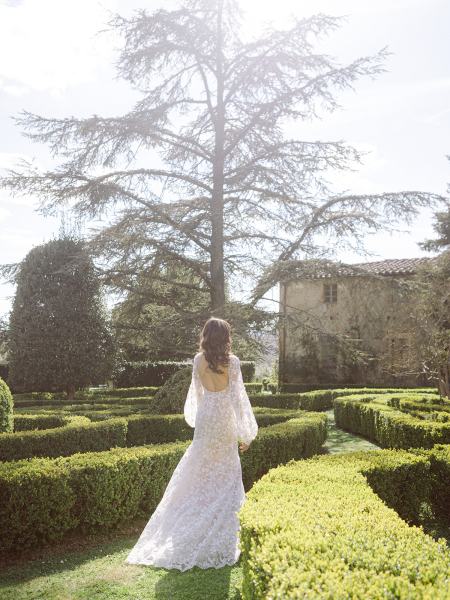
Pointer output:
x,y
444,379
70,391
216,265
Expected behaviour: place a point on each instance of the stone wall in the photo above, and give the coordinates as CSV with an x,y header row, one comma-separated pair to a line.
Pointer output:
x,y
371,310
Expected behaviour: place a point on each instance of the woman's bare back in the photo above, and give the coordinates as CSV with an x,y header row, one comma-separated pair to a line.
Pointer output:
x,y
211,381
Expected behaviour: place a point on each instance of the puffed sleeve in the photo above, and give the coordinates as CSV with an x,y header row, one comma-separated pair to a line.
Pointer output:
x,y
194,394
247,426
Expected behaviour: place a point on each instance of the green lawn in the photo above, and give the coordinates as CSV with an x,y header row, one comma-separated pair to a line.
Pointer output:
x,y
339,440
100,573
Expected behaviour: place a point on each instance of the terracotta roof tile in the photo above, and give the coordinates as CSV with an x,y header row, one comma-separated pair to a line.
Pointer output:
x,y
390,266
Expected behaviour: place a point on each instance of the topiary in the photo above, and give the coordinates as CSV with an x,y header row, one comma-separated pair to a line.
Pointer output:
x,y
6,409
170,397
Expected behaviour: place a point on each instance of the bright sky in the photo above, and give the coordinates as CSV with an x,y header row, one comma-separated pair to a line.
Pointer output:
x,y
53,64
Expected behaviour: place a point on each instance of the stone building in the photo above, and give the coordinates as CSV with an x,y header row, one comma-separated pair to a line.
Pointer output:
x,y
364,304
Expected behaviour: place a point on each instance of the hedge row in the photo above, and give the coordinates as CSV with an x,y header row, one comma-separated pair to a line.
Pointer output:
x,y
374,418
112,396
84,402
318,399
134,395
40,421
99,490
147,373
79,434
314,401
433,408
339,527
131,392
307,387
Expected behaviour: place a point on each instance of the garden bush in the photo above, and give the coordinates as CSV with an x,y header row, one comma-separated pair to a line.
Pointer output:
x,y
110,396
342,527
375,417
315,400
254,387
131,392
39,421
78,434
147,373
6,408
170,397
55,435
98,490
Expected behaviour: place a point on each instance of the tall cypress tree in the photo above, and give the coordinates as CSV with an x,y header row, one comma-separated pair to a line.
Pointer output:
x,y
59,338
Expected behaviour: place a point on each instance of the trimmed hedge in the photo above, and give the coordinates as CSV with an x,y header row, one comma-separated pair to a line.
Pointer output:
x,y
332,527
78,434
148,373
300,437
158,429
307,387
129,396
99,490
143,401
374,417
6,408
131,392
253,387
39,421
315,400
439,457
136,395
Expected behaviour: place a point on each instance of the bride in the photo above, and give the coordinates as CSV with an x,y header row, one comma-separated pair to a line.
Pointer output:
x,y
196,522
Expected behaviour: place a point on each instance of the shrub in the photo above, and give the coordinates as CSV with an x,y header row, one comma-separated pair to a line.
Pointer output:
x,y
295,438
327,528
254,387
374,417
136,396
439,457
131,392
315,400
62,435
98,490
6,408
59,337
148,373
170,398
78,434
34,422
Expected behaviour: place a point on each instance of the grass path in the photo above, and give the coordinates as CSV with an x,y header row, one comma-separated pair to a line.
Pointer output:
x,y
339,440
95,569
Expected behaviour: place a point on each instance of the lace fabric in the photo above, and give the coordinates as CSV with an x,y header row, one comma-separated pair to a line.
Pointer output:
x,y
196,523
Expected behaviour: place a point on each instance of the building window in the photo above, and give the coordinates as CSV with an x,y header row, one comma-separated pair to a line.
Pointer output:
x,y
330,292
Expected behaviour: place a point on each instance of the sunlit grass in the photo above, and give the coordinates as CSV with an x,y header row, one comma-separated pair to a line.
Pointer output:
x,y
100,573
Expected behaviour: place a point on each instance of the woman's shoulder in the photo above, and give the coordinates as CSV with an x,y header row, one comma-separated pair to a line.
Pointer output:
x,y
200,356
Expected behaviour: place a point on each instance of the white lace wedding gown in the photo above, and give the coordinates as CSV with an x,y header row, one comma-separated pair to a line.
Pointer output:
x,y
196,523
